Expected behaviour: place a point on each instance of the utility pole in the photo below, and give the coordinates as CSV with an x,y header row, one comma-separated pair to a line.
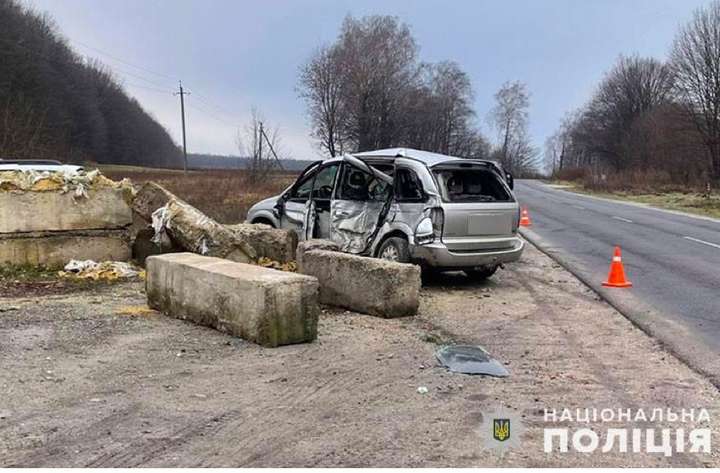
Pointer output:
x,y
260,141
182,95
272,150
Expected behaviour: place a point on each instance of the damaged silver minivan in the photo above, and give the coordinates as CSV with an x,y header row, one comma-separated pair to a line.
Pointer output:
x,y
401,204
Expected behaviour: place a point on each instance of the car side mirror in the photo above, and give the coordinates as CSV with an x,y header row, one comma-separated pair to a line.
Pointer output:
x,y
280,205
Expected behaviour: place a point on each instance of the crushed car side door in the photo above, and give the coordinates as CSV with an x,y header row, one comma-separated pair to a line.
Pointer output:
x,y
360,203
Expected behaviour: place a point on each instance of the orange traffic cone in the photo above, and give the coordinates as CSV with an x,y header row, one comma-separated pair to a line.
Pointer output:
x,y
616,277
525,218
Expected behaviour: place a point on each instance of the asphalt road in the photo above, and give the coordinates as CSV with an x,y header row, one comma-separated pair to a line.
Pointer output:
x,y
672,259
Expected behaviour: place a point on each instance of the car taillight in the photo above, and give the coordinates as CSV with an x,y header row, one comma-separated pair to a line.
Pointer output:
x,y
438,219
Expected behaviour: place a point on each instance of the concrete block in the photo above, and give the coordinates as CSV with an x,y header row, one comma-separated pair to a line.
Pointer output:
x,y
105,208
276,244
56,250
261,305
368,285
309,245
149,198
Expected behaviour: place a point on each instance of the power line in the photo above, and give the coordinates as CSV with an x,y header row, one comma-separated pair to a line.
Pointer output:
x,y
116,70
212,115
160,91
218,108
113,57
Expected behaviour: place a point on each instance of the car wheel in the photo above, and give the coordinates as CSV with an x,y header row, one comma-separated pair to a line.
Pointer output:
x,y
395,249
481,274
263,221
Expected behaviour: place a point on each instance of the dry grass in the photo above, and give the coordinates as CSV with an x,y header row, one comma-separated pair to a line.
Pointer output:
x,y
225,196
653,188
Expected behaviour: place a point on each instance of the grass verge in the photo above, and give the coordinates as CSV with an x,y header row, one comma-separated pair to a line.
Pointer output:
x,y
691,202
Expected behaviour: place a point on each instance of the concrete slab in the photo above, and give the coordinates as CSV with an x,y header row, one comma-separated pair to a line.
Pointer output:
x,y
261,305
56,250
105,208
369,285
315,244
276,244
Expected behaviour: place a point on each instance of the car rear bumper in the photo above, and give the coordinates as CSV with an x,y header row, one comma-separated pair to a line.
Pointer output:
x,y
438,255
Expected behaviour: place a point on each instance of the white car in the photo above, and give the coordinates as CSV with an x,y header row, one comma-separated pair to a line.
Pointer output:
x,y
38,165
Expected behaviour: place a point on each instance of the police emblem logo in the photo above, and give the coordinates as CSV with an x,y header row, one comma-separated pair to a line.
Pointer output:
x,y
501,429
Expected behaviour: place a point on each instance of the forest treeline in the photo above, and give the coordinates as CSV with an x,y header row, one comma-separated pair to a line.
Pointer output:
x,y
650,122
56,104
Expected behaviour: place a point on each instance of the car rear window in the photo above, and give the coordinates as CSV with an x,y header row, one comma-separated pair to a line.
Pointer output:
x,y
471,185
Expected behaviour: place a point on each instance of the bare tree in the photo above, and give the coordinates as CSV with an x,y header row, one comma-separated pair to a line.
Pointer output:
x,y
368,91
695,60
260,143
632,88
378,57
509,116
321,81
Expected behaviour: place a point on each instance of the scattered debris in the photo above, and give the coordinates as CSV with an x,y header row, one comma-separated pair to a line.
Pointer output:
x,y
136,310
470,359
422,390
77,182
265,262
105,271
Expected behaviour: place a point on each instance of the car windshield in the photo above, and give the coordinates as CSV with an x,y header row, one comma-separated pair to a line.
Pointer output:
x,y
471,185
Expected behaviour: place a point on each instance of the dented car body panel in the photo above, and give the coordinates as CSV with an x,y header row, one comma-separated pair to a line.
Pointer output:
x,y
454,213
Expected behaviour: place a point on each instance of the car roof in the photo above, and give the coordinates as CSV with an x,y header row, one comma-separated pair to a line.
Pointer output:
x,y
37,165
426,157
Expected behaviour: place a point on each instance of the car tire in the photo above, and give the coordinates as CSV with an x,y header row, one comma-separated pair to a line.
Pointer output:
x,y
481,274
395,249
263,221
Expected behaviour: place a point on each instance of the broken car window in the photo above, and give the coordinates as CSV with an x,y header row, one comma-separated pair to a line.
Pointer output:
x,y
470,185
408,187
361,186
302,192
324,182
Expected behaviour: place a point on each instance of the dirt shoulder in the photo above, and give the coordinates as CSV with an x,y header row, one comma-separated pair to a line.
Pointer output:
x,y
689,202
93,378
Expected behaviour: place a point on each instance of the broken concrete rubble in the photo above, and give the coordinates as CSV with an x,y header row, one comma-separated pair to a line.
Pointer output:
x,y
191,230
150,197
368,285
261,305
194,231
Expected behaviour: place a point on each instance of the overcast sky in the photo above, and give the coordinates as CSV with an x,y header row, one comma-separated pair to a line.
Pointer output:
x,y
233,55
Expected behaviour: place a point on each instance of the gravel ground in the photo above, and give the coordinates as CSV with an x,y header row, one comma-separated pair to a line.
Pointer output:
x,y
94,378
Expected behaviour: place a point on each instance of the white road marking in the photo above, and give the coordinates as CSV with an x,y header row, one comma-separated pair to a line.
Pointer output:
x,y
580,207
622,219
714,245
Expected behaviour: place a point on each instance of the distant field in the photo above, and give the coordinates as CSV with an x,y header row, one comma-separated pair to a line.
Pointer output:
x,y
225,196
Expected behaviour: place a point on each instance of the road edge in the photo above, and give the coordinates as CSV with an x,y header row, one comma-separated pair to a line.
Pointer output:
x,y
671,336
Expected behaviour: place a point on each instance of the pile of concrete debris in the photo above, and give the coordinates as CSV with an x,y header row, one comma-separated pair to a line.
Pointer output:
x,y
48,219
213,274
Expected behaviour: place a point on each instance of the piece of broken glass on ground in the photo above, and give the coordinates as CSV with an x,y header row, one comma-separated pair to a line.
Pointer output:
x,y
470,359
